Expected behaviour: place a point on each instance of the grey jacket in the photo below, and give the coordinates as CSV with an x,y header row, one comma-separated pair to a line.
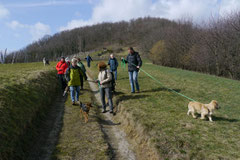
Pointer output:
x,y
105,77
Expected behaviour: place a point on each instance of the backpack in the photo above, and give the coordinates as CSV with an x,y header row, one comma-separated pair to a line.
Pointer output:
x,y
113,83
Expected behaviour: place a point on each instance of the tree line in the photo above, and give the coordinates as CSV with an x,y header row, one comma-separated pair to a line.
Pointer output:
x,y
212,47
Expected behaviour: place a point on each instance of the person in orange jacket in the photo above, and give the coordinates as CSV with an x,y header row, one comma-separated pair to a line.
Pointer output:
x,y
61,68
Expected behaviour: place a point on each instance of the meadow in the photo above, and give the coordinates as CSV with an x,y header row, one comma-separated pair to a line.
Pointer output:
x,y
162,114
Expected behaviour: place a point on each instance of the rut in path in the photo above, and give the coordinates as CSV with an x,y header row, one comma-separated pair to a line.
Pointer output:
x,y
49,132
116,138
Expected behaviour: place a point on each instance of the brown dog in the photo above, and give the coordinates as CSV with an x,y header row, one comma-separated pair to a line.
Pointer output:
x,y
84,110
203,109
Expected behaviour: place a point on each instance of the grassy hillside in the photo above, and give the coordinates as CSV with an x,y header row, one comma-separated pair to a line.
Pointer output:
x,y
26,90
163,114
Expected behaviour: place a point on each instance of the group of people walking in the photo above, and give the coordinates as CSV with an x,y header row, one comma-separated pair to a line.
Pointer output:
x,y
72,76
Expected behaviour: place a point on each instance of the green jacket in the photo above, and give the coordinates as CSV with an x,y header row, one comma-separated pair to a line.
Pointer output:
x,y
73,76
81,65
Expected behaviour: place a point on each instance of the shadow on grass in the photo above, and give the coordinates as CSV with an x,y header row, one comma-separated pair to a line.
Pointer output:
x,y
117,93
160,89
224,119
108,122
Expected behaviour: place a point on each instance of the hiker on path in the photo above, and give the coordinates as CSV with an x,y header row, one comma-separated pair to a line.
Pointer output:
x,y
104,80
81,65
113,63
89,59
134,63
73,75
61,68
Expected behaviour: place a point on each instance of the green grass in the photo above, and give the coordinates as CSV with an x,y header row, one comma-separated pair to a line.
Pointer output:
x,y
26,90
163,116
79,139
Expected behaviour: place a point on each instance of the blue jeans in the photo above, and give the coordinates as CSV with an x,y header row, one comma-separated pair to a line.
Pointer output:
x,y
72,93
108,93
115,74
133,78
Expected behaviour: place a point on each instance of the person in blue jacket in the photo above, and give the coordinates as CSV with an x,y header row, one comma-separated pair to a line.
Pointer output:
x,y
89,59
113,63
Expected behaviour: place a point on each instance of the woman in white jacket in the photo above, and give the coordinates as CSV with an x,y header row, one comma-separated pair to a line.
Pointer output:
x,y
105,79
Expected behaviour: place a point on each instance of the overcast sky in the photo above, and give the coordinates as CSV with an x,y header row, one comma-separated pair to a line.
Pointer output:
x,y
25,21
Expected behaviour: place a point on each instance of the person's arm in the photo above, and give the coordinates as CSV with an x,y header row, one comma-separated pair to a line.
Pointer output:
x,y
116,62
139,60
125,60
109,61
67,74
57,67
90,58
108,79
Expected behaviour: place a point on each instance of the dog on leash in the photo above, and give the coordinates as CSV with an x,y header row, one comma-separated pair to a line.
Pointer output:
x,y
203,109
84,110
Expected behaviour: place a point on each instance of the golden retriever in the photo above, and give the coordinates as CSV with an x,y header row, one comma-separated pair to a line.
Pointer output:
x,y
203,109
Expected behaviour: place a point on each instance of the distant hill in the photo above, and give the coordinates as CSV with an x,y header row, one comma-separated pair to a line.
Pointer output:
x,y
211,48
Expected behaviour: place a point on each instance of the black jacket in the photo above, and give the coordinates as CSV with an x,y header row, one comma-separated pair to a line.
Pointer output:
x,y
133,60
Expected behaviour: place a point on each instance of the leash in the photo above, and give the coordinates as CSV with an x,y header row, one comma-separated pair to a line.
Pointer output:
x,y
123,64
156,80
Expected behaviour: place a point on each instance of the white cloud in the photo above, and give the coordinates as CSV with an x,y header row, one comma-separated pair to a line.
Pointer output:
x,y
37,30
3,12
74,24
228,6
116,10
15,24
46,3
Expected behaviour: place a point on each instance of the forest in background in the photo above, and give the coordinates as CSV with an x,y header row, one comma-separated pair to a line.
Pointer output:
x,y
212,47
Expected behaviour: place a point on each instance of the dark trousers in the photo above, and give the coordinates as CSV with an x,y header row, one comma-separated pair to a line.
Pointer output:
x,y
62,81
108,93
88,63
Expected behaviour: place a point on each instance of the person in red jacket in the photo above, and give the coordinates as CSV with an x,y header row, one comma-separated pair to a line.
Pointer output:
x,y
61,68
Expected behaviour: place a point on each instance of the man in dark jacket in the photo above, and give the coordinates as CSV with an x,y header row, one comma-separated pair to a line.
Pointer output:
x,y
134,63
61,68
89,59
113,63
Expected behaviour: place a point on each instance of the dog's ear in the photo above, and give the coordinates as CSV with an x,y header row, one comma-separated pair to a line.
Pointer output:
x,y
89,104
215,103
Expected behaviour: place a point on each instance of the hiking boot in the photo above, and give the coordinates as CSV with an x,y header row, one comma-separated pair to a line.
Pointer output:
x,y
73,103
111,111
104,111
138,91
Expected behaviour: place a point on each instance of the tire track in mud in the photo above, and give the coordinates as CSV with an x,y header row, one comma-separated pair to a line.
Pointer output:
x,y
116,137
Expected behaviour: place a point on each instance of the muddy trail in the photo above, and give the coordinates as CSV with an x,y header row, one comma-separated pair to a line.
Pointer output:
x,y
51,128
49,131
115,137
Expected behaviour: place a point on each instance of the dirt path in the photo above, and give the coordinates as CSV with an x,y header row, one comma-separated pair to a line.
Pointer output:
x,y
49,131
115,136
